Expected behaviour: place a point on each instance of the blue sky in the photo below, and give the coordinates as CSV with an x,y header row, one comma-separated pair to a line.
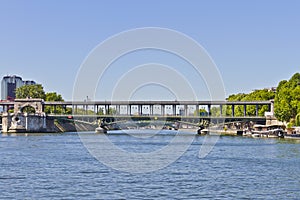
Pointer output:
x,y
254,44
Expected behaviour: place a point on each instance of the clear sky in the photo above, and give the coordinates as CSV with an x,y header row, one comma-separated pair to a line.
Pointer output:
x,y
254,43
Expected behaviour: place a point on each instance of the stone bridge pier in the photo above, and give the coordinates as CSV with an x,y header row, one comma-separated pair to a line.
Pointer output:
x,y
27,116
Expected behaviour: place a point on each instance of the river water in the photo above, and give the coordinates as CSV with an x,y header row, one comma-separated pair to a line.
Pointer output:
x,y
58,166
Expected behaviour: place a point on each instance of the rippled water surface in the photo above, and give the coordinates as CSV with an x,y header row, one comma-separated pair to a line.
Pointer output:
x,y
52,166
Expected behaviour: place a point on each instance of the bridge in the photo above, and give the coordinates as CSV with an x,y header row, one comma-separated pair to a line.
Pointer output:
x,y
123,111
140,108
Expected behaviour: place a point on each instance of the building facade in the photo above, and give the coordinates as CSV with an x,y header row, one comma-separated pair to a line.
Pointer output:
x,y
9,84
29,82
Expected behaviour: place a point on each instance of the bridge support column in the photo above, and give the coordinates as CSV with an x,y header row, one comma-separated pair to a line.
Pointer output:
x,y
97,109
197,110
129,110
162,110
232,110
174,110
245,110
140,110
221,110
185,110
209,110
256,110
151,110
85,108
106,109
118,109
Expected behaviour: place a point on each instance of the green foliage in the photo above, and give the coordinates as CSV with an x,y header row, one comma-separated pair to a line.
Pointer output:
x,y
30,91
289,125
58,110
53,96
83,111
297,120
100,111
287,99
216,111
37,91
28,109
112,111
257,95
201,112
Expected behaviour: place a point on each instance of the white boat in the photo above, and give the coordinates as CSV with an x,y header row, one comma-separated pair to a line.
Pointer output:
x,y
292,136
268,131
100,130
204,131
255,135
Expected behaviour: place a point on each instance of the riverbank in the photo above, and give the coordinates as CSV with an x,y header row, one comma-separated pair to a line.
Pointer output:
x,y
69,125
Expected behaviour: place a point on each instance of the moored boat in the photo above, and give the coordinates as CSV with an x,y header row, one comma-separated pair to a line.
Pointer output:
x,y
255,135
268,131
292,136
100,130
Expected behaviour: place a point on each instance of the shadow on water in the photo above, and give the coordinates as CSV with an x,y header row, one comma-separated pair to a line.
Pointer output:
x,y
36,134
151,132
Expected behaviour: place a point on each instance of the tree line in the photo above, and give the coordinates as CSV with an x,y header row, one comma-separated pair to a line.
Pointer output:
x,y
257,95
286,101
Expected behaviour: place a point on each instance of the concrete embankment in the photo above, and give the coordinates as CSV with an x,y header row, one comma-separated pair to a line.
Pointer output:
x,y
69,125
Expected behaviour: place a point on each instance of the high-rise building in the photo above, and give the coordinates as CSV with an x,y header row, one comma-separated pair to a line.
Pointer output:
x,y
9,85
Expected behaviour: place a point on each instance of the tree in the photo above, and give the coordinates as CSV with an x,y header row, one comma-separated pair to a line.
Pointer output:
x,y
201,112
28,109
297,120
112,111
287,99
215,111
30,91
53,96
100,111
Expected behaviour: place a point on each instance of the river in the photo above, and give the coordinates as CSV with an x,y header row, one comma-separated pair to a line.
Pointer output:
x,y
58,166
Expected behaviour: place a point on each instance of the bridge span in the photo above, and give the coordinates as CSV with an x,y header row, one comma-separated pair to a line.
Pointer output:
x,y
138,108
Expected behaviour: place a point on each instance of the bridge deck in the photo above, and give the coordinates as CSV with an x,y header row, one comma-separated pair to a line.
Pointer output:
x,y
156,116
69,103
